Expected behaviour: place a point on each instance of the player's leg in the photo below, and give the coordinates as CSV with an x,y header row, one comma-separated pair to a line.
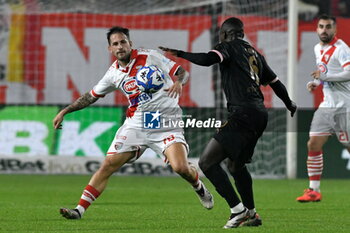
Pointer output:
x,y
176,154
242,177
209,163
244,185
322,126
97,183
314,168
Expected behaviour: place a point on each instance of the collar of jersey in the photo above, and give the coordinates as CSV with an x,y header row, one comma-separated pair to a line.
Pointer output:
x,y
132,57
335,39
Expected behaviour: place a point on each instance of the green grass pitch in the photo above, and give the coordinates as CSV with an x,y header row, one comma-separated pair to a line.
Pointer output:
x,y
30,203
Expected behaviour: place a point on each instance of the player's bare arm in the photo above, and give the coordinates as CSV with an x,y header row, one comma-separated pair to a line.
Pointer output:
x,y
82,102
181,79
316,74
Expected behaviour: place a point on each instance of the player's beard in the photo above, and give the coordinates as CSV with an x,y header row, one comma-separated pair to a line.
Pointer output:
x,y
325,38
124,58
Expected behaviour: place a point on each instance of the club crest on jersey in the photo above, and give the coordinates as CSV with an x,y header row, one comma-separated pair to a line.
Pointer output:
x,y
118,145
130,86
322,67
326,57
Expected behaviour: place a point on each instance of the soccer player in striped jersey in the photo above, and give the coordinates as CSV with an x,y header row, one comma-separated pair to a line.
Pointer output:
x,y
243,69
332,116
132,138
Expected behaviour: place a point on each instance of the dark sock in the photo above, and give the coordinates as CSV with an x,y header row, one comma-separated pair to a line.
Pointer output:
x,y
244,185
223,186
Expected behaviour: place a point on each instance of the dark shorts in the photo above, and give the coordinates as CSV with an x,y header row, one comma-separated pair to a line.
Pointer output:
x,y
240,133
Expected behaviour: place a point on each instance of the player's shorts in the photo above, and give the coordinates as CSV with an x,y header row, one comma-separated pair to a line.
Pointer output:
x,y
329,121
240,133
130,138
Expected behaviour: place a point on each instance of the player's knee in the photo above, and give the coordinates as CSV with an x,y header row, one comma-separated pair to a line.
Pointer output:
x,y
234,167
181,169
230,166
313,145
203,165
107,168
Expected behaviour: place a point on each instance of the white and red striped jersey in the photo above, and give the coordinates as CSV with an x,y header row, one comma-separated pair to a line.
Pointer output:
x,y
123,78
333,58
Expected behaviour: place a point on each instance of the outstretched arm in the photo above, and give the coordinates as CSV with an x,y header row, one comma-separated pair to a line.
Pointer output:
x,y
82,102
202,59
281,91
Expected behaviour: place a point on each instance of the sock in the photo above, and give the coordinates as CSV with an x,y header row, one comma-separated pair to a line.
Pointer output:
x,y
197,185
314,169
222,184
89,195
238,208
244,185
315,185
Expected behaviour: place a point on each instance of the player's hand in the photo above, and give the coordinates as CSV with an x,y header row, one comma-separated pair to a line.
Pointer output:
x,y
312,85
316,74
175,90
292,107
173,52
57,121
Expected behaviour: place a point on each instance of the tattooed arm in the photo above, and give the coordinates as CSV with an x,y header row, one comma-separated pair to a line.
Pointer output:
x,y
181,79
82,102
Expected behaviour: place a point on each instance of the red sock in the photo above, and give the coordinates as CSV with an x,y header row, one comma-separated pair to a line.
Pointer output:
x,y
315,165
196,184
90,194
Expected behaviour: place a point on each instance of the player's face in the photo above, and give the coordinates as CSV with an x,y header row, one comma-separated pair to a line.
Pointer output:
x,y
326,30
222,35
120,47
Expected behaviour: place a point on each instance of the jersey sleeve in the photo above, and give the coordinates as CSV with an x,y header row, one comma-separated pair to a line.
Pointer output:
x,y
344,57
267,74
164,63
105,85
222,50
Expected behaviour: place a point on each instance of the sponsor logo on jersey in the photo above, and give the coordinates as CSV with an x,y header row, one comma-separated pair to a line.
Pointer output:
x,y
323,67
130,86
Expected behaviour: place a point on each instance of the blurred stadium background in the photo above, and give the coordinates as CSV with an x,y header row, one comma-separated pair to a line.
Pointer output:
x,y
53,51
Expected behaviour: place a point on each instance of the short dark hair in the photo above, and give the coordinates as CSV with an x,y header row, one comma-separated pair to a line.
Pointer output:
x,y
117,29
234,25
327,17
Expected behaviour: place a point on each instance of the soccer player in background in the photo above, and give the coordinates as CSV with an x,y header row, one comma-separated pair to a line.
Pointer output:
x,y
333,62
243,69
131,139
